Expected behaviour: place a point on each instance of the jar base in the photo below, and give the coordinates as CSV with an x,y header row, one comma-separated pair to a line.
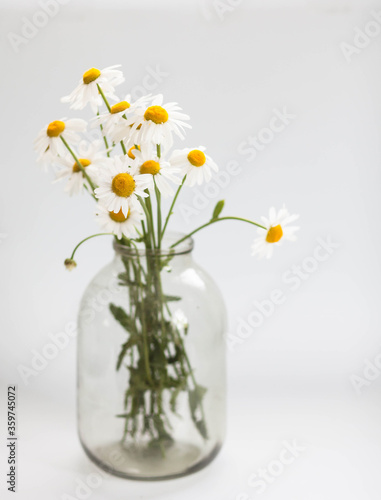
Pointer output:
x,y
181,459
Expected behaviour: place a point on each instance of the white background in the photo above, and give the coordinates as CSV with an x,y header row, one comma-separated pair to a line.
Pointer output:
x,y
292,378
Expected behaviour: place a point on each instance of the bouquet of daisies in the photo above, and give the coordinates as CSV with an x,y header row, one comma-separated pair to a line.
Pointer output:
x,y
127,172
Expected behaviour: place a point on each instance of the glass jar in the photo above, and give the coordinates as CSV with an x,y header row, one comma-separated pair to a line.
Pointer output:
x,y
151,364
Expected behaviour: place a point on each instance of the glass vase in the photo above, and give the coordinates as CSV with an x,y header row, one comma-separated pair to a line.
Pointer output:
x,y
151,364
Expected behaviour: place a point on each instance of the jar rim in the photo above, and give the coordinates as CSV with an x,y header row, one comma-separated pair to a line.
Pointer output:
x,y
169,239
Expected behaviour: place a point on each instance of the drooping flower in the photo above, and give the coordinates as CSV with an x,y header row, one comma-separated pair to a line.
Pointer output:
x,y
87,91
195,164
120,185
70,264
277,230
119,223
94,162
159,170
154,124
48,143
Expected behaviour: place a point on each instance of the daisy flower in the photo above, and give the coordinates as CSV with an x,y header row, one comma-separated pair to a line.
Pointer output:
x,y
160,171
115,118
276,230
195,163
95,160
118,223
119,185
48,143
87,89
155,124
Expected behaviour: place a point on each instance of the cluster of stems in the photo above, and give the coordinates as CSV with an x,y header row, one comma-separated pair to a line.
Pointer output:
x,y
153,354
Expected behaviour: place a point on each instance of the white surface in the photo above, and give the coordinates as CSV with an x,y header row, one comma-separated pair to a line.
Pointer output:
x,y
290,380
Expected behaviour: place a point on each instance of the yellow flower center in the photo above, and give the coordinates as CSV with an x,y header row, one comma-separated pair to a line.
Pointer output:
x,y
150,167
55,128
119,217
123,185
119,107
196,158
130,152
84,162
156,114
274,234
90,75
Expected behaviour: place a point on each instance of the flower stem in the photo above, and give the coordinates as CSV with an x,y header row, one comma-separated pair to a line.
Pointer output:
x,y
152,227
172,205
123,147
158,203
80,166
104,98
88,238
104,137
148,214
212,222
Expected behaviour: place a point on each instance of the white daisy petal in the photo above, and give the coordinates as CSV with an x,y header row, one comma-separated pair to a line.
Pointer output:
x,y
48,143
119,223
86,91
275,233
194,164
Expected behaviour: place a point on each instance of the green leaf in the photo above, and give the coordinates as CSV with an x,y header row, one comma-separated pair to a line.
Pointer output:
x,y
125,280
218,209
122,317
171,298
133,340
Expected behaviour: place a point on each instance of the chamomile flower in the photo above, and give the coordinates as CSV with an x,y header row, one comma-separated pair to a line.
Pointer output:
x,y
49,144
160,171
95,160
155,124
277,229
119,223
119,185
87,89
114,120
195,163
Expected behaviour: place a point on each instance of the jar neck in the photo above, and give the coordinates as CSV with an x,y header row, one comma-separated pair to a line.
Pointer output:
x,y
169,249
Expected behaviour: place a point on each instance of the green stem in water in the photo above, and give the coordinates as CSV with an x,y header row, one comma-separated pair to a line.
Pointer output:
x,y
89,238
172,205
212,222
79,164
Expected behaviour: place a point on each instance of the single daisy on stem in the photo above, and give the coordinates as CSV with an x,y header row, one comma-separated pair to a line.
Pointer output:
x,y
276,230
160,171
92,84
156,123
95,160
114,119
118,223
196,165
49,143
120,186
